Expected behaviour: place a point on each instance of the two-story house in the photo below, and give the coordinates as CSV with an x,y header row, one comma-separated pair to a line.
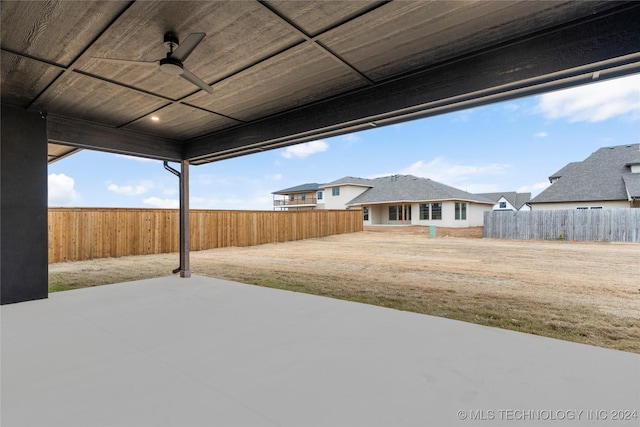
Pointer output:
x,y
300,197
394,200
608,178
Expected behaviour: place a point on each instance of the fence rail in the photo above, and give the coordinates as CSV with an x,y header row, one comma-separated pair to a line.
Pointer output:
x,y
614,225
88,233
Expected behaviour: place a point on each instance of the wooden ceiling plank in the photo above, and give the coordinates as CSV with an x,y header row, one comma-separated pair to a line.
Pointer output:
x,y
529,66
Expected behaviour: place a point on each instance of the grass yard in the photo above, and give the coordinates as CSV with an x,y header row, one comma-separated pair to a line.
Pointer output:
x,y
582,292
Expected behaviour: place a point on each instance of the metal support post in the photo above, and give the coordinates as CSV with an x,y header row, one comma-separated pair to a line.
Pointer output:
x,y
185,269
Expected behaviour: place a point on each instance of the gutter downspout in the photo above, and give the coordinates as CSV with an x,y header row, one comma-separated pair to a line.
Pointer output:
x,y
183,175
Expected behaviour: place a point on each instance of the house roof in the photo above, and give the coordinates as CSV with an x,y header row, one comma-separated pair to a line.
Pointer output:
x,y
409,188
632,184
312,186
566,170
349,180
516,199
604,175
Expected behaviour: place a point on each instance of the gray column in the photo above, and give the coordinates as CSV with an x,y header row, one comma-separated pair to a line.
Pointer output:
x,y
185,266
23,205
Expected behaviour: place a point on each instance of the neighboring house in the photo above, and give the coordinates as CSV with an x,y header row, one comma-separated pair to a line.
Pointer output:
x,y
394,200
340,192
305,196
608,178
509,201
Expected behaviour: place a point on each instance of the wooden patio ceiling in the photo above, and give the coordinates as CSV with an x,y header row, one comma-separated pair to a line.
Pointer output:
x,y
284,72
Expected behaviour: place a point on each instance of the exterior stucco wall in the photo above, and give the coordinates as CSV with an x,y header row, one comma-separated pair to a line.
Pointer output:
x,y
347,193
379,215
574,205
376,215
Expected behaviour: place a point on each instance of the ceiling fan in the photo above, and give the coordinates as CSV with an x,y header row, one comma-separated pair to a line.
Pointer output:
x,y
172,64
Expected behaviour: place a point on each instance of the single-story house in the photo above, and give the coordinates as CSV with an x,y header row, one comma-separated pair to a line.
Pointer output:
x,y
608,178
509,201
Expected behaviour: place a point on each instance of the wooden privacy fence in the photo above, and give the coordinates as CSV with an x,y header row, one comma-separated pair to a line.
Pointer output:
x,y
613,225
87,233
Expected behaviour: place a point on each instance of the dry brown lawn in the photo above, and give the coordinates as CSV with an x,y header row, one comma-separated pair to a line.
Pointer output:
x,y
577,291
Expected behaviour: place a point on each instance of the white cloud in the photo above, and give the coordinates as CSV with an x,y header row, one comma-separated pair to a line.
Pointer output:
x,y
131,190
303,150
481,188
534,189
541,135
61,190
351,138
156,202
594,102
456,175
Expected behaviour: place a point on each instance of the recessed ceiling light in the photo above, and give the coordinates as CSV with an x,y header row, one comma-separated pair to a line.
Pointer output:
x,y
155,118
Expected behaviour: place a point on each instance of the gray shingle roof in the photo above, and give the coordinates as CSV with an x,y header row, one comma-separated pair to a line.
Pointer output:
x,y
312,186
566,170
349,180
632,183
516,199
521,199
601,176
409,188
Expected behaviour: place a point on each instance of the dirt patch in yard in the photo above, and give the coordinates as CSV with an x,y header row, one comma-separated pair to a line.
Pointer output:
x,y
583,292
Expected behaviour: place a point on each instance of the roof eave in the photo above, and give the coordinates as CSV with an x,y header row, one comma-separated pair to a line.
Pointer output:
x,y
386,202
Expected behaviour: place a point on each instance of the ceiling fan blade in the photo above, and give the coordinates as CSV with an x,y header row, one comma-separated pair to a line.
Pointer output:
x,y
128,62
187,46
189,76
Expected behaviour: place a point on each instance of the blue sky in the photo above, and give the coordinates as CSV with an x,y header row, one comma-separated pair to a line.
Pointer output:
x,y
509,146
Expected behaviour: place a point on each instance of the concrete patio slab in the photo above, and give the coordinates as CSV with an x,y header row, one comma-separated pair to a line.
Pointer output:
x,y
206,352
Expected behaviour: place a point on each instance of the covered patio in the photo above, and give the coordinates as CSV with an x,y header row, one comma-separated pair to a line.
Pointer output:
x,y
170,352
268,74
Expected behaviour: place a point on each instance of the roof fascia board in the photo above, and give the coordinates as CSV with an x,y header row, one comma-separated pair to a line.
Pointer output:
x,y
344,184
603,47
78,133
479,202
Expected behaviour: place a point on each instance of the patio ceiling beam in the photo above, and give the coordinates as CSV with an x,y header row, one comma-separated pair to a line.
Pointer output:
x,y
78,133
597,48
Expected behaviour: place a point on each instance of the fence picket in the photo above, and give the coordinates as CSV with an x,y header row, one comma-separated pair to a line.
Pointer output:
x,y
616,225
86,233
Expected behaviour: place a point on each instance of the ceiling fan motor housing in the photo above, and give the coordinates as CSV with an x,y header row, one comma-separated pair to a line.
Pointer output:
x,y
171,66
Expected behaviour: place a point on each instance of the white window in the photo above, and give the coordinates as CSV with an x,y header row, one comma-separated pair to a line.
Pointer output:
x,y
461,211
335,191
